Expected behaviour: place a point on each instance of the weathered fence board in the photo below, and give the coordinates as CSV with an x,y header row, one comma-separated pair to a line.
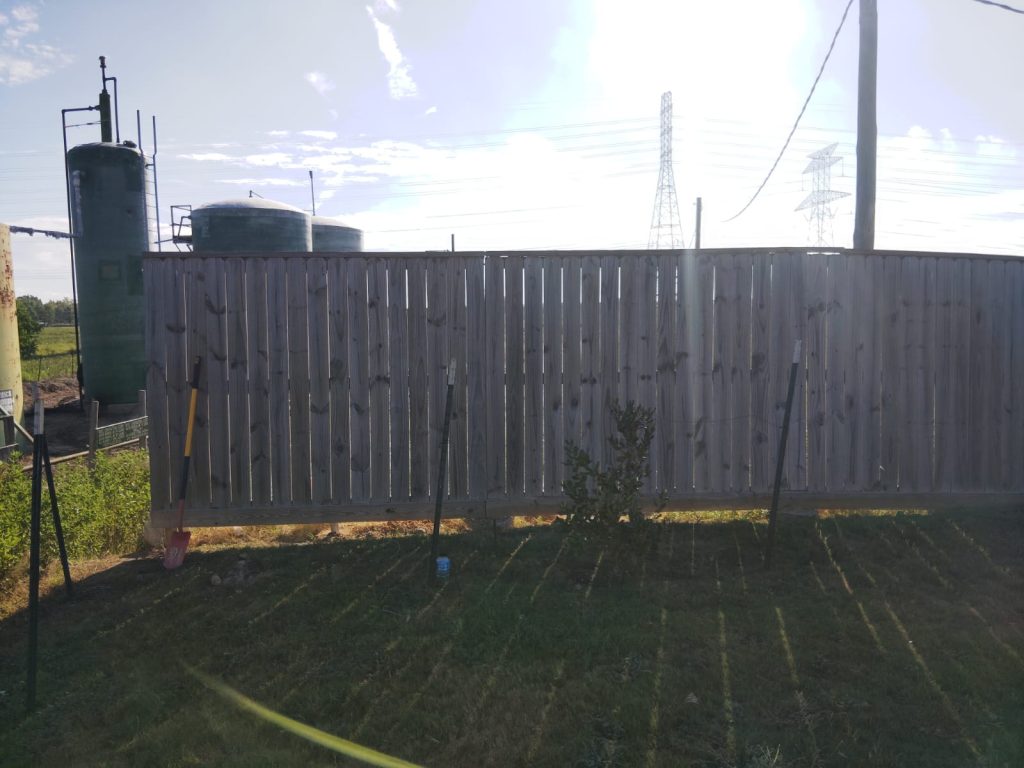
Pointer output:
x,y
325,377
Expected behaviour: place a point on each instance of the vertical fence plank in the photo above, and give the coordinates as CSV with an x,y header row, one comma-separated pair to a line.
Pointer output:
x,y
258,352
238,382
554,434
685,357
788,326
978,433
377,321
945,437
298,377
174,289
458,460
476,393
704,317
319,380
630,281
419,393
892,334
859,372
998,415
1015,468
668,408
838,371
217,382
514,390
761,451
337,300
739,373
590,355
494,324
495,387
398,349
571,389
926,433
199,488
645,311
961,384
609,378
280,433
815,307
876,273
359,375
438,281
533,374
911,374
155,274
721,404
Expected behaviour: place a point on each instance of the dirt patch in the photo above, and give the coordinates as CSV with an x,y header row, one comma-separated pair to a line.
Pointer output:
x,y
55,393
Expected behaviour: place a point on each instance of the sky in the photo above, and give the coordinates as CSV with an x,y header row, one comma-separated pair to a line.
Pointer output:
x,y
525,125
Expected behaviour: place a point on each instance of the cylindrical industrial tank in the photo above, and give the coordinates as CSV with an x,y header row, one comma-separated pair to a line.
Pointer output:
x,y
331,235
250,224
108,211
10,351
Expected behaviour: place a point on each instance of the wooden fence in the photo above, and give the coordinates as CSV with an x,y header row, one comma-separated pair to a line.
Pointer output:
x,y
324,382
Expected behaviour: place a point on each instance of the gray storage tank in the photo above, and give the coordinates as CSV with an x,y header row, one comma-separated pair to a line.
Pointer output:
x,y
331,235
108,207
250,224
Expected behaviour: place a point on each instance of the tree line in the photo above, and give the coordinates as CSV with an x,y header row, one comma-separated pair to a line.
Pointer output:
x,y
34,313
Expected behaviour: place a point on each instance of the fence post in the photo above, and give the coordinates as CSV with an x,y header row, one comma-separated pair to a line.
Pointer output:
x,y
144,435
94,422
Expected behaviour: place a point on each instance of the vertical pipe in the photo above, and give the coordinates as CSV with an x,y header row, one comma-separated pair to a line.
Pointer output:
x,y
312,193
138,130
71,248
442,472
867,127
33,569
156,192
780,459
696,233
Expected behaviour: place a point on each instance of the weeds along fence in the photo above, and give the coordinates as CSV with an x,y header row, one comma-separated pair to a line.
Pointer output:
x,y
324,377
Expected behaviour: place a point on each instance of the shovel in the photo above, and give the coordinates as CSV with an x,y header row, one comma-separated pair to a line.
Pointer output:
x,y
174,554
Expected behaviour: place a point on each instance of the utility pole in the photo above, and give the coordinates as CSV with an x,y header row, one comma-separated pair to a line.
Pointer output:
x,y
867,127
696,231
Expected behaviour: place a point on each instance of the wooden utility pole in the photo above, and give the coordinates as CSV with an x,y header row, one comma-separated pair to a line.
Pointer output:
x,y
696,234
867,127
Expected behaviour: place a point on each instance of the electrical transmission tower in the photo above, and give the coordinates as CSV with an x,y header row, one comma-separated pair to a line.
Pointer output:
x,y
666,231
820,200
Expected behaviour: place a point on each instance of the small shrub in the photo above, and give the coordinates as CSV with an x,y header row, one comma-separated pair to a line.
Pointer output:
x,y
600,497
28,329
102,508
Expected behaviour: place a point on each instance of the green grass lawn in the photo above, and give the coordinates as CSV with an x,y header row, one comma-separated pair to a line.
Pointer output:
x,y
54,356
875,641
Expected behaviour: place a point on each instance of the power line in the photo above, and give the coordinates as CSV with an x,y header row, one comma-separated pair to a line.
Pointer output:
x,y
1001,5
807,101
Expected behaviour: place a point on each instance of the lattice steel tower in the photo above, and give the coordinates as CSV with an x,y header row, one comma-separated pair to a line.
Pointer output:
x,y
821,197
666,231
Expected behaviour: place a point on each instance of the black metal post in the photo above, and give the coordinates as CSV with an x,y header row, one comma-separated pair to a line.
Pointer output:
x,y
33,568
156,192
442,472
58,529
774,512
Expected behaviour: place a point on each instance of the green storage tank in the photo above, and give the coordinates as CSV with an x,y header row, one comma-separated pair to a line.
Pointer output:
x,y
109,219
250,225
330,235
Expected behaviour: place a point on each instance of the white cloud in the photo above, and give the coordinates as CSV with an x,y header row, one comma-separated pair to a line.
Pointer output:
x,y
431,111
400,82
22,61
320,82
264,182
327,135
268,159
277,133
207,157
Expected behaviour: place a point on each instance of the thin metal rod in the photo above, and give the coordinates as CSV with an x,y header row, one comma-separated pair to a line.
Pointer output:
x,y
312,193
138,129
696,235
58,529
867,127
33,568
774,511
156,192
442,472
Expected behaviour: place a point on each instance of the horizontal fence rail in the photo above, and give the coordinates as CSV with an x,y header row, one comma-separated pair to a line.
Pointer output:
x,y
323,390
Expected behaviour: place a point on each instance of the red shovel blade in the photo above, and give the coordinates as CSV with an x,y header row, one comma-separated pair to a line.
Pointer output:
x,y
174,554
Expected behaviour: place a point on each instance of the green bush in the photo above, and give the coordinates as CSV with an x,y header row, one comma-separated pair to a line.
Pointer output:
x,y
600,497
28,328
102,508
